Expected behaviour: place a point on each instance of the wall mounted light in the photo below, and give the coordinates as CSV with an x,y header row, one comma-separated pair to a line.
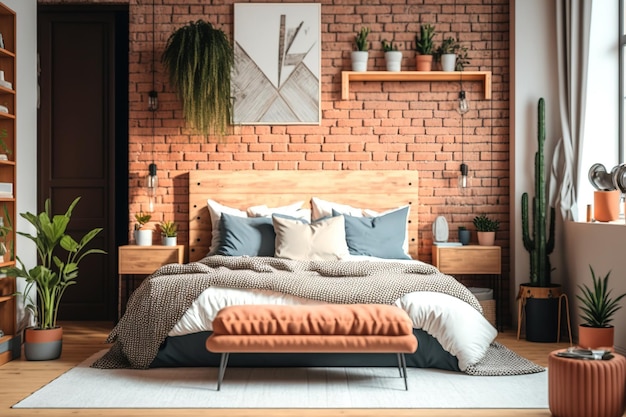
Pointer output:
x,y
463,176
153,100
463,103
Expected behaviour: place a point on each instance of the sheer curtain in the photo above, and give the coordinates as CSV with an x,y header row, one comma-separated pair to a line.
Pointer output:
x,y
573,23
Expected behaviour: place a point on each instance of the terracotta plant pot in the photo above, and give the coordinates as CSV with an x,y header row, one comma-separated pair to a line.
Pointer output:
x,y
595,337
606,205
486,238
43,345
424,62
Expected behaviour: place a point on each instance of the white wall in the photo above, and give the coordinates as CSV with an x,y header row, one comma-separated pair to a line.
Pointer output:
x,y
26,152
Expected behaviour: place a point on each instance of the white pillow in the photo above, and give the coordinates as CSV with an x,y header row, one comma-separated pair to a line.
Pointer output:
x,y
322,208
321,240
216,209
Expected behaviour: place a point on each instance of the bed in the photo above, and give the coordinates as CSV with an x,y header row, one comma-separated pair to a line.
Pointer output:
x,y
168,318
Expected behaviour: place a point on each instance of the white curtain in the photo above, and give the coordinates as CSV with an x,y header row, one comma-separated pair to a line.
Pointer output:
x,y
573,23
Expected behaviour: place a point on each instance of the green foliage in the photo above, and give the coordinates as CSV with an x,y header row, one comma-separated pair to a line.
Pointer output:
x,y
142,219
52,275
360,40
448,46
424,41
199,59
3,144
597,306
168,228
486,224
539,246
461,59
388,46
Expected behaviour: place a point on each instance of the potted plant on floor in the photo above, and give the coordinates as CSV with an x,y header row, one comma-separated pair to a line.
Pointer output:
x,y
597,311
486,229
539,297
59,258
169,231
143,232
425,48
360,54
393,57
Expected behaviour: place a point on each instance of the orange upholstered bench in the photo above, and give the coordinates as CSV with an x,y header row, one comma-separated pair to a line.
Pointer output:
x,y
327,328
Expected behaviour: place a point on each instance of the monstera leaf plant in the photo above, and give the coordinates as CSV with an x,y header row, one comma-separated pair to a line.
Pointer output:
x,y
199,59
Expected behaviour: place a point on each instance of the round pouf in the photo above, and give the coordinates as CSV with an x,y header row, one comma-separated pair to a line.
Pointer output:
x,y
584,388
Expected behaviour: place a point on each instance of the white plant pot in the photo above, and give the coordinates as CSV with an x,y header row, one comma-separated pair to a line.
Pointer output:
x,y
168,240
143,237
448,62
359,60
393,59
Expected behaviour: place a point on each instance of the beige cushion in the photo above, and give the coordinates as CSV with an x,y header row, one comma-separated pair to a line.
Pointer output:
x,y
321,240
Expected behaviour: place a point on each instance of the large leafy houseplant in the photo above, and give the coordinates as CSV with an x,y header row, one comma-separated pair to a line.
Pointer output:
x,y
199,59
55,272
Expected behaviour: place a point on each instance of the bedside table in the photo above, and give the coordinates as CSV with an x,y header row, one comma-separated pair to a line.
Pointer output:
x,y
472,260
143,260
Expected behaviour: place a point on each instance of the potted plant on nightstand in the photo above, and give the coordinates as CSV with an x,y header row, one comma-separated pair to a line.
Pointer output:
x,y
425,48
597,310
169,230
360,54
393,57
143,232
59,258
486,229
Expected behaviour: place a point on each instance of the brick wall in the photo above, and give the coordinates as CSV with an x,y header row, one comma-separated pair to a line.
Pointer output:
x,y
384,125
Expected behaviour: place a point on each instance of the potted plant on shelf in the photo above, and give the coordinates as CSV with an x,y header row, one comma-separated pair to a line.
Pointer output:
x,y
393,57
446,54
425,47
539,297
597,310
199,59
486,229
59,259
360,54
169,230
143,232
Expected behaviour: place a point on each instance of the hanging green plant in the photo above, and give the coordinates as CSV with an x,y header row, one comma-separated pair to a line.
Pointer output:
x,y
199,59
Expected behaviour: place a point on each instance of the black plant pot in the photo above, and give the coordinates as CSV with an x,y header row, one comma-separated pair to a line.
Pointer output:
x,y
542,316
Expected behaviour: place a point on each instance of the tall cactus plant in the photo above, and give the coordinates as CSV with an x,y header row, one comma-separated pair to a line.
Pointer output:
x,y
539,246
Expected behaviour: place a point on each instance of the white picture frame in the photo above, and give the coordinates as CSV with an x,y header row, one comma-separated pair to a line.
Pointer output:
x,y
277,71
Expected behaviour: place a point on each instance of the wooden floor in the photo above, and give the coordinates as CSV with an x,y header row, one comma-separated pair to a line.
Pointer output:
x,y
20,378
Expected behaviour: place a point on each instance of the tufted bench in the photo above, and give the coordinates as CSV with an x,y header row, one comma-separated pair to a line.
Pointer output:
x,y
327,328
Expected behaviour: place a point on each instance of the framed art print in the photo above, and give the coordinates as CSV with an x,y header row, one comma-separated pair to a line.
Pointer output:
x,y
276,75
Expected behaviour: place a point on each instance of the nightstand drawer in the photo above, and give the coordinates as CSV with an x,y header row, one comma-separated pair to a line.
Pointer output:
x,y
147,259
470,259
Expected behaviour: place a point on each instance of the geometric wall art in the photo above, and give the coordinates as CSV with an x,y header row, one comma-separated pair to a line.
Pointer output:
x,y
277,69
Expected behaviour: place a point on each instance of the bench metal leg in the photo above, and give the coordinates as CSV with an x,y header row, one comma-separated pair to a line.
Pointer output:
x,y
402,369
222,371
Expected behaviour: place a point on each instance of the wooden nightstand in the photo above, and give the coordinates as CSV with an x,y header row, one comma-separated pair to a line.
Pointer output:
x,y
143,260
472,260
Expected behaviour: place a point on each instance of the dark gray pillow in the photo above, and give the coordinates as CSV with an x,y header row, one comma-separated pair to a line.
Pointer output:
x,y
246,236
381,236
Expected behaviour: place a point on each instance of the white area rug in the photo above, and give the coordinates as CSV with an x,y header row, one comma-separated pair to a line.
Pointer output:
x,y
286,388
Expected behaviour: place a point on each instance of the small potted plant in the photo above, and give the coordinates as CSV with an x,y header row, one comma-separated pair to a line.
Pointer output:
x,y
393,57
597,311
425,47
360,54
169,230
143,232
486,229
446,54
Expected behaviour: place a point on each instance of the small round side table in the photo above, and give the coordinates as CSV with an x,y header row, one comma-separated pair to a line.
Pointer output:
x,y
586,388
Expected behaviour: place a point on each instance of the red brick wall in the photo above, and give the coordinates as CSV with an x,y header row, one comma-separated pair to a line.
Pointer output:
x,y
390,125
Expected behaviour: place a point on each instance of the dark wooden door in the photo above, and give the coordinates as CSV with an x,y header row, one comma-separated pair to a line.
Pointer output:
x,y
83,141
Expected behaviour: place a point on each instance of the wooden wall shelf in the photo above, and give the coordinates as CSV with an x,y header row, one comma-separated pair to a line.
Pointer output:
x,y
348,76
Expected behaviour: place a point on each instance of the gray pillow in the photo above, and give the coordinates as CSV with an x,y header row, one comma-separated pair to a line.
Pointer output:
x,y
381,236
246,236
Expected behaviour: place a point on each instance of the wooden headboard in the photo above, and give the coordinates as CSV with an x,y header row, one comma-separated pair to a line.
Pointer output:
x,y
376,190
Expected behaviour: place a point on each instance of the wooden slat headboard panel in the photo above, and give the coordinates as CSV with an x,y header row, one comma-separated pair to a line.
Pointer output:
x,y
376,190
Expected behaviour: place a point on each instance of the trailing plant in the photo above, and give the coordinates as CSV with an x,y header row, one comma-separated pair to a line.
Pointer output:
x,y
199,59
168,228
539,246
52,275
424,41
486,224
389,46
597,306
142,219
461,59
360,40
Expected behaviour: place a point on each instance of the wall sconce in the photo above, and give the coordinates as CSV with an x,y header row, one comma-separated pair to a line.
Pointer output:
x,y
463,103
153,100
152,182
